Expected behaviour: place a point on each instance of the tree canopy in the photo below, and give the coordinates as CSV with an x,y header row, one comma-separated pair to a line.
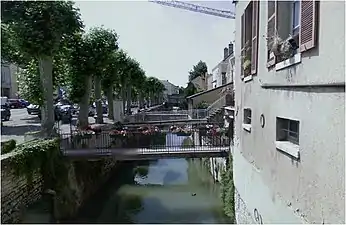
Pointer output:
x,y
199,69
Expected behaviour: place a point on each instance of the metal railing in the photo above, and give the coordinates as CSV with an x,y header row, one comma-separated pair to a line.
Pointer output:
x,y
166,138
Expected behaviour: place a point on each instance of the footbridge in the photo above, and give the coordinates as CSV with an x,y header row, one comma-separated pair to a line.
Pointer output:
x,y
138,143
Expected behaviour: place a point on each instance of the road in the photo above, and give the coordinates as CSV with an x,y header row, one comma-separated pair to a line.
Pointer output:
x,y
21,122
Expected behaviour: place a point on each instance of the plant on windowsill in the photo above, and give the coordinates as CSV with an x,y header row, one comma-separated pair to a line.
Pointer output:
x,y
282,49
247,66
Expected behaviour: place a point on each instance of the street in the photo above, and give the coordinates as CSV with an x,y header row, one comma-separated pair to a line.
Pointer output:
x,y
21,122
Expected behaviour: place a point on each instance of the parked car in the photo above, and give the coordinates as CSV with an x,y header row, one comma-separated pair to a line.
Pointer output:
x,y
24,103
59,114
33,109
15,103
5,112
92,111
104,107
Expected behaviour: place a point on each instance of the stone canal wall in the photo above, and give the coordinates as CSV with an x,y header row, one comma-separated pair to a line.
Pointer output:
x,y
17,192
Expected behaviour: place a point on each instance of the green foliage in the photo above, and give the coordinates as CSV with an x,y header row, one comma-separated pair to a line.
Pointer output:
x,y
103,43
202,105
8,146
43,156
29,83
40,26
227,190
200,69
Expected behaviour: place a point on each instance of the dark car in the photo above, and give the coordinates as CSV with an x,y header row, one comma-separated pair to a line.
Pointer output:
x,y
5,112
61,113
15,103
24,103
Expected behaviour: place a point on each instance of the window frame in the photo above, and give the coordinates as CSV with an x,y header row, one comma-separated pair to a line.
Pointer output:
x,y
286,130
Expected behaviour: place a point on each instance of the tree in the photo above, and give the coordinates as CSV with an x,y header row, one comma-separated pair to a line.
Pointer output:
x,y
111,78
82,68
38,29
103,44
155,89
200,69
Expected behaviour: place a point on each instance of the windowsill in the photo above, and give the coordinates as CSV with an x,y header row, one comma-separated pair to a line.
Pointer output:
x,y
288,62
231,108
288,147
247,78
246,127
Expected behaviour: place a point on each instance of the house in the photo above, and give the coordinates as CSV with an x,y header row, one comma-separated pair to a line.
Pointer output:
x,y
223,71
289,141
170,89
200,83
9,85
215,84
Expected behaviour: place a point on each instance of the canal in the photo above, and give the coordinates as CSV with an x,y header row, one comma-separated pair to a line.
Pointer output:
x,y
159,191
172,191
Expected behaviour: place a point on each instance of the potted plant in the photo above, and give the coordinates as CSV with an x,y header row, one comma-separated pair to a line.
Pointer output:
x,y
247,66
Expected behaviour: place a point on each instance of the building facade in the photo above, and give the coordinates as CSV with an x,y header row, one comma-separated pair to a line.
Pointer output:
x,y
289,144
223,72
9,85
170,89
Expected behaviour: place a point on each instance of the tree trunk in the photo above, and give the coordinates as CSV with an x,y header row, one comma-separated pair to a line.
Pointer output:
x,y
98,100
123,97
84,104
129,99
110,102
140,99
47,109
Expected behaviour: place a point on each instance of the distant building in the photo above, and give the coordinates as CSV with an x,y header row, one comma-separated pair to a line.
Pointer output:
x,y
200,83
223,72
9,85
170,89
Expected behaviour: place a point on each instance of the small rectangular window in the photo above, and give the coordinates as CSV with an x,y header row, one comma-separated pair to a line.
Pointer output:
x,y
247,116
287,130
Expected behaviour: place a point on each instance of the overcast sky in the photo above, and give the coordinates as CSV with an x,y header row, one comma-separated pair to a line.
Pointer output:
x,y
166,41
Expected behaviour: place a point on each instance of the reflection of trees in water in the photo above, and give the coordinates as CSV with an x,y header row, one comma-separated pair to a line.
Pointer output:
x,y
129,205
141,168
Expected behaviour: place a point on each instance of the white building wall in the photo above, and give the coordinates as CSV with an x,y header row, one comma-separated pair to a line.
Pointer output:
x,y
280,189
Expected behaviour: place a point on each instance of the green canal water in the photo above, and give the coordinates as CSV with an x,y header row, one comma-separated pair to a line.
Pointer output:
x,y
160,191
173,191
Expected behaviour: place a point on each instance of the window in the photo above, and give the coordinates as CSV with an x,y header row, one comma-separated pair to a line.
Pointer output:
x,y
247,119
247,116
224,78
287,130
295,23
249,39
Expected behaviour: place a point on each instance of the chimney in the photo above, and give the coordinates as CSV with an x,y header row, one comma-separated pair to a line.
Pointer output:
x,y
225,53
230,48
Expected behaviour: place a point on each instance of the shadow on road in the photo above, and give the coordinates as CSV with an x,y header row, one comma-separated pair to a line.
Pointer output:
x,y
19,130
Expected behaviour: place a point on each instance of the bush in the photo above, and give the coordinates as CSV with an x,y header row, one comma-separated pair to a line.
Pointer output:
x,y
8,146
227,190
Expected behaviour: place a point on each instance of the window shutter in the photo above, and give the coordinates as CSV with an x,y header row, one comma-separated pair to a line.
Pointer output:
x,y
255,27
308,25
242,54
271,29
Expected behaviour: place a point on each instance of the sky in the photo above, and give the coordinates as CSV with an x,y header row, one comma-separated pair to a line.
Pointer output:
x,y
166,41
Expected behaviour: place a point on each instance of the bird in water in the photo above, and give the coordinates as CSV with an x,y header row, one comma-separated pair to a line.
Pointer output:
x,y
193,194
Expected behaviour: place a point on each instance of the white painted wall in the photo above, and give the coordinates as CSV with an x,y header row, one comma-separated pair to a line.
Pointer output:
x,y
280,188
